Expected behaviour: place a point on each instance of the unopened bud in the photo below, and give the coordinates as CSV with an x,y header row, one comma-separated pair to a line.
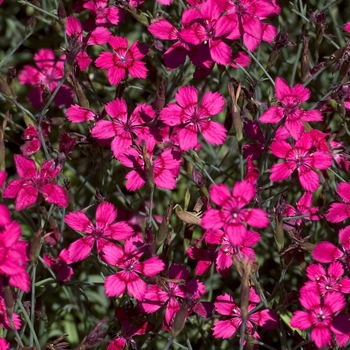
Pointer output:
x,y
305,65
35,246
159,101
179,320
236,115
83,101
198,178
68,188
30,26
149,174
274,56
164,225
46,93
62,15
5,89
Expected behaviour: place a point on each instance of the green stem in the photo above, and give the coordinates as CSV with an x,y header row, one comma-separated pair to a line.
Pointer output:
x,y
32,303
261,66
7,57
25,2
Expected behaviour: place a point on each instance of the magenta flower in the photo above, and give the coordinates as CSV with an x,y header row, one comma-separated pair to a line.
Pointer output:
x,y
128,261
227,250
209,28
172,292
225,305
98,36
303,208
232,215
326,252
104,230
322,281
193,118
32,141
291,99
60,265
13,257
166,166
302,158
205,257
123,128
32,182
3,343
49,72
249,15
319,315
123,60
3,177
338,212
105,15
77,114
4,320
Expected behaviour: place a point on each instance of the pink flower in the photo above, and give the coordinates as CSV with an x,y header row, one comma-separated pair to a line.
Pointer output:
x,y
338,212
13,258
128,261
172,292
77,114
347,27
253,131
123,128
3,176
232,216
60,265
302,158
319,315
193,118
165,167
4,320
49,72
249,15
225,305
105,15
209,28
104,230
205,257
32,182
3,343
291,99
227,250
98,36
124,60
304,208
32,141
323,282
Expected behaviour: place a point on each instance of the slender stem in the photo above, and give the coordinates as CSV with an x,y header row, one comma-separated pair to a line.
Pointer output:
x,y
7,57
32,303
149,224
261,67
168,344
29,322
295,65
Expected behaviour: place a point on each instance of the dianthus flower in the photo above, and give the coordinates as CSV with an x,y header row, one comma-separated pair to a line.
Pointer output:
x,y
33,182
105,15
165,166
104,230
49,72
122,128
194,118
319,315
32,141
225,305
128,261
300,157
338,212
123,60
232,215
291,99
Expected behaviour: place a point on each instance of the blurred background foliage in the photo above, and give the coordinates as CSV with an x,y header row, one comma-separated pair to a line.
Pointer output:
x,y
76,307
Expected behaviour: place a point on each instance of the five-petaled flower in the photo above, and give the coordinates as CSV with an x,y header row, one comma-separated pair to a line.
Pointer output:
x,y
233,216
300,157
32,182
194,118
123,60
128,261
291,99
104,230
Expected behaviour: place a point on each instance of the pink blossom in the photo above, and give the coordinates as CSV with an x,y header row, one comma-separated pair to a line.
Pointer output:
x,y
165,166
225,305
49,72
322,281
32,182
338,212
60,265
300,157
78,114
303,208
105,229
253,131
105,15
347,27
291,99
172,292
32,141
248,14
4,320
195,118
3,177
128,261
205,257
123,128
319,315
3,343
123,60
98,36
209,28
232,215
252,173
227,250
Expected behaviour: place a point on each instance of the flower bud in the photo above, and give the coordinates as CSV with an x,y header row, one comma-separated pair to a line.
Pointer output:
x,y
35,246
30,26
62,15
